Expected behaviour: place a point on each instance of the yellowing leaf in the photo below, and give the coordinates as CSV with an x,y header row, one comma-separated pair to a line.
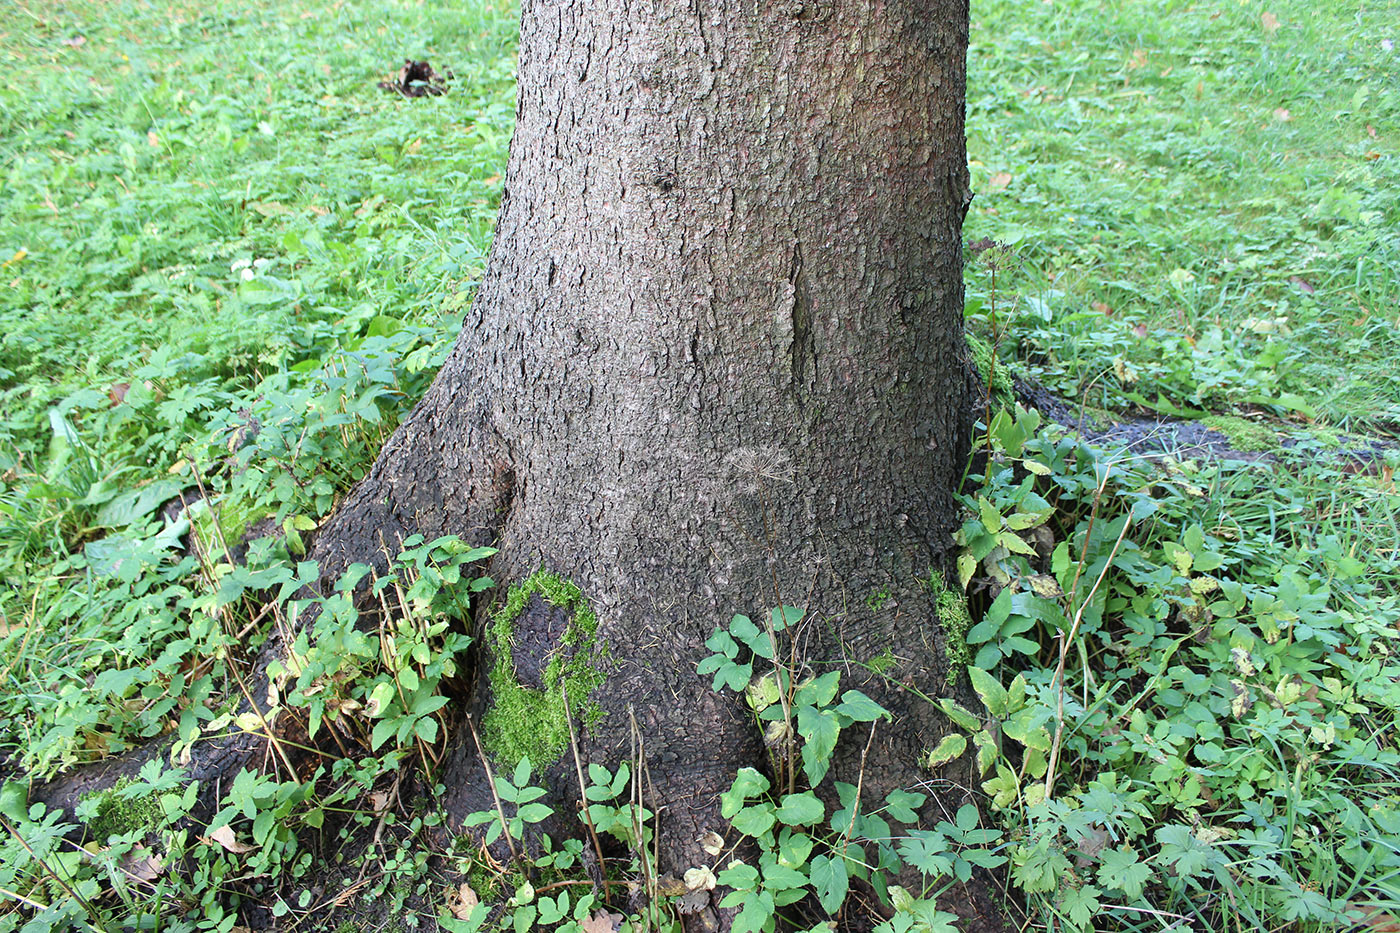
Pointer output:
x,y
1015,544
967,565
949,748
249,722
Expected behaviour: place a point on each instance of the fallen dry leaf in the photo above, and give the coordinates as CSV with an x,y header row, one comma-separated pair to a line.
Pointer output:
x,y
462,901
1269,21
999,181
1282,115
1102,308
142,864
601,922
1303,284
700,877
1138,60
224,837
712,842
76,42
671,886
1375,917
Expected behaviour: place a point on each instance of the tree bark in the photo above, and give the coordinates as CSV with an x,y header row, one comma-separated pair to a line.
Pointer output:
x,y
715,364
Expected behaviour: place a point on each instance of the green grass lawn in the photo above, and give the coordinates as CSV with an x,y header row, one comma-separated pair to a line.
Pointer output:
x,y
210,215
1221,178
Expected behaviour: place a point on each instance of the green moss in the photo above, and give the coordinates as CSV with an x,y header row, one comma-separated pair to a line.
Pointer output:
x,y
983,357
525,722
954,619
116,814
1243,434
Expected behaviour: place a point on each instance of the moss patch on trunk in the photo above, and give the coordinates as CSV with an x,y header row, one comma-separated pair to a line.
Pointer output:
x,y
528,720
951,608
115,813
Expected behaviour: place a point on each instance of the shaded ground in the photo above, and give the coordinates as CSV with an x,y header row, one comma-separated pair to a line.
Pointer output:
x,y
1186,439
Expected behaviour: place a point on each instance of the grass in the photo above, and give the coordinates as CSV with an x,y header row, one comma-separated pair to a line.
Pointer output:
x,y
211,217
1180,178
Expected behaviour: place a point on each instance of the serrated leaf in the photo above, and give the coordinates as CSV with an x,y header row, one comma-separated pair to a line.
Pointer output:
x,y
1014,543
986,752
991,518
831,882
1023,520
961,717
952,745
990,690
1120,869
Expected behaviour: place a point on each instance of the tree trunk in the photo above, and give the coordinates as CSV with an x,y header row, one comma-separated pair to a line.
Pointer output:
x,y
715,364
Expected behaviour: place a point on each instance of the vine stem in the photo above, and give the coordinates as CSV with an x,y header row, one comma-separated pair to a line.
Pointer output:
x,y
1066,641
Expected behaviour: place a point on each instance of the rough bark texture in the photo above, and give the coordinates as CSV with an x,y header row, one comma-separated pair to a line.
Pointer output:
x,y
716,362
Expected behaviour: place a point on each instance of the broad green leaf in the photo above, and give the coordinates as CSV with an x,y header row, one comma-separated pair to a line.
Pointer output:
x,y
801,809
747,783
755,820
831,881
860,708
